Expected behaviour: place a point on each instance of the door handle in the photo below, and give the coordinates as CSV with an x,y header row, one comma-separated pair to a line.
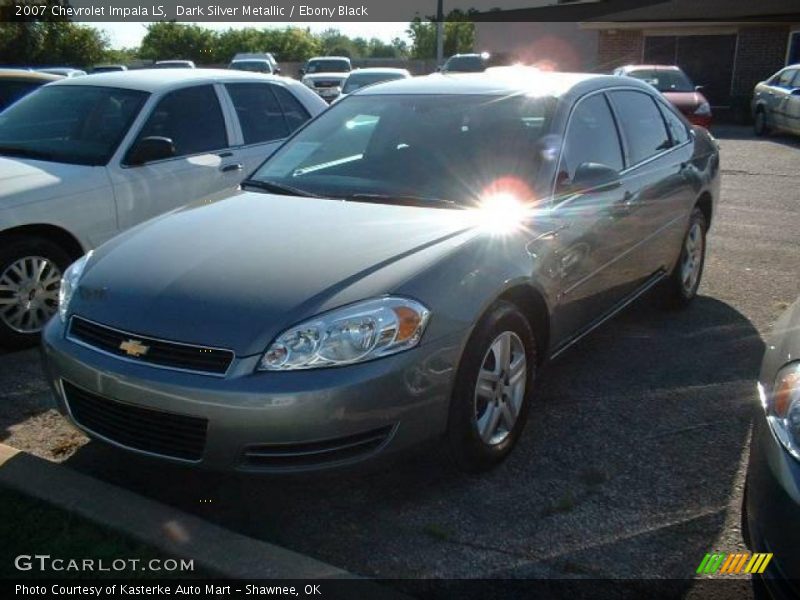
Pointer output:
x,y
231,167
225,154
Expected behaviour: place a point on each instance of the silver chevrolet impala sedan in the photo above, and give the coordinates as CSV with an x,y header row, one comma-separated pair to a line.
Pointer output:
x,y
399,271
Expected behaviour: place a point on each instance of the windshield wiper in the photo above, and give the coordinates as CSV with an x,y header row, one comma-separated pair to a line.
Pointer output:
x,y
25,153
276,188
403,200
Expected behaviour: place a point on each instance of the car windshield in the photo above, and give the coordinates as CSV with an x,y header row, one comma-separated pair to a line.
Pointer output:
x,y
328,65
258,66
69,123
358,80
670,80
465,64
429,147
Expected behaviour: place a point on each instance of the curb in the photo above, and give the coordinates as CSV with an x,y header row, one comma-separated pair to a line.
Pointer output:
x,y
174,532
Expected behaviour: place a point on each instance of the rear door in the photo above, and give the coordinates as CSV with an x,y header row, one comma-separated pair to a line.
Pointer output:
x,y
266,114
791,105
193,119
591,232
778,97
657,181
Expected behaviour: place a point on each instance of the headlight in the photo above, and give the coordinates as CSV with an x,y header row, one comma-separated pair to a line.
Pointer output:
x,y
68,284
308,83
347,335
783,408
703,110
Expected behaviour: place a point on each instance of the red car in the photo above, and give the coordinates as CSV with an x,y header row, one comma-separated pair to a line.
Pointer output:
x,y
676,87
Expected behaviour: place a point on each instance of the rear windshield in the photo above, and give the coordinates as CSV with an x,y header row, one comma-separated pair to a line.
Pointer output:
x,y
358,80
664,80
328,65
258,66
465,64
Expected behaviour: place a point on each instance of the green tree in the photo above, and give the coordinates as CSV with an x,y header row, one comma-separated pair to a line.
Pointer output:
x,y
170,40
459,35
52,43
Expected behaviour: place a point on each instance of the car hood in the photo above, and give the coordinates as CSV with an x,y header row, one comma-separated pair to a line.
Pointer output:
x,y
24,180
234,273
685,101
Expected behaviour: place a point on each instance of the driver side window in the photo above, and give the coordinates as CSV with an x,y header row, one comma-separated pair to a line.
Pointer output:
x,y
591,138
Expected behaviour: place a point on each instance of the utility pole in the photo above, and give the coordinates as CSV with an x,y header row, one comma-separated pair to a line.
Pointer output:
x,y
439,32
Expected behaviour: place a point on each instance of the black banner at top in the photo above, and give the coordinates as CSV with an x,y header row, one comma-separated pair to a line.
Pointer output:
x,y
392,10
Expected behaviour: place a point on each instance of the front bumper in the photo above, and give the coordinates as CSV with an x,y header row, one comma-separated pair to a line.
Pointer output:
x,y
307,417
772,508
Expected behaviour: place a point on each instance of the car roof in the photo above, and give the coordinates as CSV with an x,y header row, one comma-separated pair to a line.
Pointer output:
x,y
157,80
498,82
32,75
329,58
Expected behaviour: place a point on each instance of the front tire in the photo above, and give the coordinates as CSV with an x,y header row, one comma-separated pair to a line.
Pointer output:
x,y
30,275
494,389
682,284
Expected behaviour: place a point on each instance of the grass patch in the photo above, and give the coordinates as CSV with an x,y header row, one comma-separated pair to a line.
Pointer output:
x,y
29,526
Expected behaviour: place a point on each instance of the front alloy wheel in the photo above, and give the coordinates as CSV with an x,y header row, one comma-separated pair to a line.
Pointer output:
x,y
493,389
500,389
30,276
29,293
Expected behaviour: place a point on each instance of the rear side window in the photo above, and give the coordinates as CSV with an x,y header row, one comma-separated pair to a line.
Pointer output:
x,y
677,128
259,112
293,110
191,118
642,125
591,138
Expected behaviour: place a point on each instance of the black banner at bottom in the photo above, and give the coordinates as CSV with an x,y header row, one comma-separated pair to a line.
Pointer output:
x,y
367,589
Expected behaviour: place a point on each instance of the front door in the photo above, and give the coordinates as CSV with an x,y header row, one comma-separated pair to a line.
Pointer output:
x,y
202,166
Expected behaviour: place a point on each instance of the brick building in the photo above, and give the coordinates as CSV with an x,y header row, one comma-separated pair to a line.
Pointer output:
x,y
723,45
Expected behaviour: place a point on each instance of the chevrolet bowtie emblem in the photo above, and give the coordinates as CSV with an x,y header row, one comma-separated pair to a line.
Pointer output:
x,y
134,348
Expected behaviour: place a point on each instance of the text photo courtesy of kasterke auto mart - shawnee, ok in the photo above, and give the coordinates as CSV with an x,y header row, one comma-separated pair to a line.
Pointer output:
x,y
474,299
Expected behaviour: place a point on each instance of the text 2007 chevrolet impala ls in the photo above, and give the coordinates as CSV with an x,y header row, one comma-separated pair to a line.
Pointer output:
x,y
396,272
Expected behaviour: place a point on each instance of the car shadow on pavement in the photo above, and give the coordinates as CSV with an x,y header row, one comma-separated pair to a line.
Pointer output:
x,y
744,132
629,468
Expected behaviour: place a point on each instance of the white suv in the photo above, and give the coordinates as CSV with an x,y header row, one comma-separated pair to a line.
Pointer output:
x,y
85,158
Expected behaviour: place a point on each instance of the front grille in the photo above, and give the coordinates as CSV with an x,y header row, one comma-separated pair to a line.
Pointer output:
x,y
326,83
316,453
144,429
174,355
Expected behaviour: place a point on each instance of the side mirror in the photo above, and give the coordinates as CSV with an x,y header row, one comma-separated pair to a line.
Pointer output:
x,y
699,88
301,71
277,71
597,177
149,149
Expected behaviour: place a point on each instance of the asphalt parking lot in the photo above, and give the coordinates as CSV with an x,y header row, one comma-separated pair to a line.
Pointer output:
x,y
631,466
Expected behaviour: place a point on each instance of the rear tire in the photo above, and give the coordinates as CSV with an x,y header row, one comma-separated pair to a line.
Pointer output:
x,y
494,389
681,286
30,275
761,124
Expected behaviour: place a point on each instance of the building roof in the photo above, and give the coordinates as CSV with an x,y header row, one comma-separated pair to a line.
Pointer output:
x,y
155,80
707,10
652,11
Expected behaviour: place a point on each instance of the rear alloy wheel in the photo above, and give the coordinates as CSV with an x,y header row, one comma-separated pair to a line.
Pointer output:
x,y
685,279
30,275
493,391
